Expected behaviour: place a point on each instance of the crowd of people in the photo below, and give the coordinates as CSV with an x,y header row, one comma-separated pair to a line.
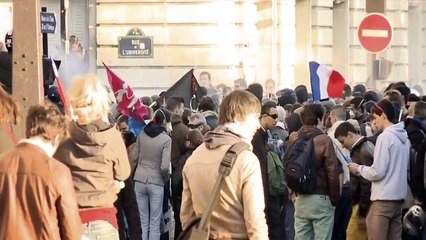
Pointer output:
x,y
94,175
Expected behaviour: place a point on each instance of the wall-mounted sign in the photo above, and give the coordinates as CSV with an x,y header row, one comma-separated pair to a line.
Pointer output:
x,y
135,45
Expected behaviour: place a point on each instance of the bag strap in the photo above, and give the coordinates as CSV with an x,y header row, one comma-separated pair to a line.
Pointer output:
x,y
225,169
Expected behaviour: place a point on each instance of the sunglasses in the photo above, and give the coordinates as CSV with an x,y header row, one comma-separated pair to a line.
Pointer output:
x,y
274,116
194,126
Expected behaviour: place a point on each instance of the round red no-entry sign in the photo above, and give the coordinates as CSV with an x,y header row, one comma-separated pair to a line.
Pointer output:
x,y
375,33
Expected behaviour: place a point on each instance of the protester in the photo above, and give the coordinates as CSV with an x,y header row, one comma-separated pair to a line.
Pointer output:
x,y
209,110
129,222
301,94
186,115
153,151
415,127
206,81
344,206
37,194
198,122
123,123
388,173
362,152
96,156
357,107
6,64
239,211
269,87
9,116
273,204
193,140
257,90
314,212
180,130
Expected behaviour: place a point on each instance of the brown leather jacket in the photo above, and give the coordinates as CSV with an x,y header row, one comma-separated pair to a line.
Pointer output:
x,y
179,133
37,199
327,165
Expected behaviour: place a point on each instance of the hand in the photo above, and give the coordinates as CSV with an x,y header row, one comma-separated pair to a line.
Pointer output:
x,y
353,167
417,202
293,137
118,186
362,225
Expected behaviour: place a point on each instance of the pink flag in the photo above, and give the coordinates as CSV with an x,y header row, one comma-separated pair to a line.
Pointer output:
x,y
128,103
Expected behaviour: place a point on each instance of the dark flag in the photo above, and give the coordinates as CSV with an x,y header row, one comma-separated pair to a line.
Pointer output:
x,y
186,88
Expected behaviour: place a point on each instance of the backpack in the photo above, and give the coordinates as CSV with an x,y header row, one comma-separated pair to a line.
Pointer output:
x,y
276,177
299,163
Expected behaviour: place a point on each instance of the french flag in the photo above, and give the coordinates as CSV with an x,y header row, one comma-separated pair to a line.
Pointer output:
x,y
325,82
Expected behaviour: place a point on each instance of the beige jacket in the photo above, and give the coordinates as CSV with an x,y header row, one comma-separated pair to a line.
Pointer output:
x,y
96,156
239,211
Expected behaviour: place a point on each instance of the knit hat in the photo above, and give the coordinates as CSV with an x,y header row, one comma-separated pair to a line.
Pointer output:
x,y
288,96
359,90
371,96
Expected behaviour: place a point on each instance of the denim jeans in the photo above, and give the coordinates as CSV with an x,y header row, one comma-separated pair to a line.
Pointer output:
x,y
289,220
99,230
150,202
342,214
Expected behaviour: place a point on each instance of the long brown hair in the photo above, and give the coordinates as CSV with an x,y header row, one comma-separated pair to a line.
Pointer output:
x,y
9,108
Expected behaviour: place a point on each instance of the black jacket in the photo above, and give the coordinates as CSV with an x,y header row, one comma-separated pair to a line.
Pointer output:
x,y
6,71
419,180
362,153
415,130
259,142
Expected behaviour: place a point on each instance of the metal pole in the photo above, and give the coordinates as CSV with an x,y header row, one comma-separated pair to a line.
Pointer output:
x,y
45,39
64,26
27,77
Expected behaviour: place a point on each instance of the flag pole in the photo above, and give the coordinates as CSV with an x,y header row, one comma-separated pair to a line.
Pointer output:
x,y
61,89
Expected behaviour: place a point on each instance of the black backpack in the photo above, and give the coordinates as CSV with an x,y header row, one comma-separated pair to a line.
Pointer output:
x,y
299,163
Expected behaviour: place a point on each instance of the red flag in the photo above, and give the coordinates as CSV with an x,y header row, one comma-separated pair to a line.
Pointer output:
x,y
127,101
61,89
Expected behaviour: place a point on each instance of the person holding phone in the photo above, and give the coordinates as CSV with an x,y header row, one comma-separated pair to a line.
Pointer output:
x,y
361,152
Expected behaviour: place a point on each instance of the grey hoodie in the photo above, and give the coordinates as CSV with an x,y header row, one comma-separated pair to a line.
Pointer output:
x,y
388,173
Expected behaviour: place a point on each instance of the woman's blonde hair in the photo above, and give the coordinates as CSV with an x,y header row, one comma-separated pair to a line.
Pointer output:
x,y
9,108
89,99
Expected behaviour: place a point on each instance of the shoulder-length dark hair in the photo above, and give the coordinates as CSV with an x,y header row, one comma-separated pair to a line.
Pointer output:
x,y
161,116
